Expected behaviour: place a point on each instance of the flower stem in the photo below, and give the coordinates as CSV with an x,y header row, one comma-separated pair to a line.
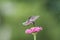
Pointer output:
x,y
34,35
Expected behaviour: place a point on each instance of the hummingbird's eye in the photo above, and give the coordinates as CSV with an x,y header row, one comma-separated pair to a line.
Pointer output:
x,y
29,17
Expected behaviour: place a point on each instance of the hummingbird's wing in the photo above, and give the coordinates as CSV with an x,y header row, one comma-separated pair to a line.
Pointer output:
x,y
33,18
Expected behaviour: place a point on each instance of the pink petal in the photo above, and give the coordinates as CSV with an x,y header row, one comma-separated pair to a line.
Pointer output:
x,y
28,31
36,29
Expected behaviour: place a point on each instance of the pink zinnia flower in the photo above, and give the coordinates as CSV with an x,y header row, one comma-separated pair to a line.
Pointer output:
x,y
33,30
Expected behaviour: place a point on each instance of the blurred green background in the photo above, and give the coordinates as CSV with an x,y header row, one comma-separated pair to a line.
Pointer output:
x,y
14,12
